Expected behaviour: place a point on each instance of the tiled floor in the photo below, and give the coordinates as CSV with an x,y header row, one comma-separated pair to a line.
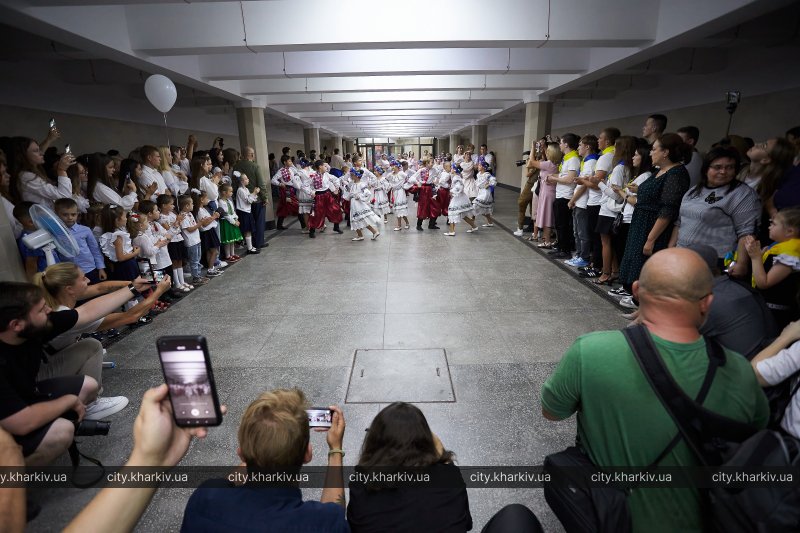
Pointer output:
x,y
296,314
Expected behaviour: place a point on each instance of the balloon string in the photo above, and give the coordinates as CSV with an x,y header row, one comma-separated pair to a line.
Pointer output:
x,y
166,129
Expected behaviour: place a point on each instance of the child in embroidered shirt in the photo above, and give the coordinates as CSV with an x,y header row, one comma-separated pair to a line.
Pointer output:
x,y
191,237
775,267
229,230
483,204
208,231
244,199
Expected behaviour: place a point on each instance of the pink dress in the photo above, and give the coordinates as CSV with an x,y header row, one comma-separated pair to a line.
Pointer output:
x,y
547,195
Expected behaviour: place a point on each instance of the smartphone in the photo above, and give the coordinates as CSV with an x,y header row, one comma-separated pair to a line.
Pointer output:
x,y
127,177
319,417
146,269
52,123
67,150
187,370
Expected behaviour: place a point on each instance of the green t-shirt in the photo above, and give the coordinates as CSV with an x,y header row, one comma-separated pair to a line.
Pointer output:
x,y
621,421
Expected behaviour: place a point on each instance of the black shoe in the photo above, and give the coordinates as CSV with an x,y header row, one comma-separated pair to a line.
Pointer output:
x,y
280,228
554,251
337,230
312,235
590,274
560,255
254,251
264,245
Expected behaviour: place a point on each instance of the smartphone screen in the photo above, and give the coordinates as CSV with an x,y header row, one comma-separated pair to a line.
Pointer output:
x,y
319,417
158,276
52,123
187,371
146,269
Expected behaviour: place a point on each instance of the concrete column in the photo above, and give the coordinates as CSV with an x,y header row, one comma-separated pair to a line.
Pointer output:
x,y
10,261
538,122
436,145
253,132
455,140
349,146
311,140
444,144
479,135
337,143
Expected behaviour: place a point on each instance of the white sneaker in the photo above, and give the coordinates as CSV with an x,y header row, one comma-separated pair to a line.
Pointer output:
x,y
450,233
518,233
397,229
104,407
406,226
357,239
375,236
487,225
471,230
222,264
627,302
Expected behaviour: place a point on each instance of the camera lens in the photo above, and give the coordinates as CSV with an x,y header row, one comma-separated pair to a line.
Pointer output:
x,y
91,428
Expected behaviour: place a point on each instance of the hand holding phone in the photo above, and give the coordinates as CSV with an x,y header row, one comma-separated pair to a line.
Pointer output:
x,y
319,417
186,363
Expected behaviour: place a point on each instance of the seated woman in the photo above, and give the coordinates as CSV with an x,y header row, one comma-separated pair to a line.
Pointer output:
x,y
64,285
399,437
720,211
778,362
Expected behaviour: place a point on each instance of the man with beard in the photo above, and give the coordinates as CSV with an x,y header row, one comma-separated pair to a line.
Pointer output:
x,y
36,413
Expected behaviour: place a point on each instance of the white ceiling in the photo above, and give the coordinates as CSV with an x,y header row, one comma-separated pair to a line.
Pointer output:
x,y
361,68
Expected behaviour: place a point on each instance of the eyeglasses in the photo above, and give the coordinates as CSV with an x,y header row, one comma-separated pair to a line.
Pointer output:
x,y
719,168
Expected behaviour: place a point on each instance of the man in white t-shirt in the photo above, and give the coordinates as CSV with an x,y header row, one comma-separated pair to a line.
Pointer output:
x,y
565,187
588,151
151,160
605,143
690,135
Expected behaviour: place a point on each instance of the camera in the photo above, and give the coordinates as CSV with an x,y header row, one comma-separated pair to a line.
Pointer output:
x,y
524,161
91,428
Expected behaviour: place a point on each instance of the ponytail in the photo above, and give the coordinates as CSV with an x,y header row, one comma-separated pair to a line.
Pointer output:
x,y
53,279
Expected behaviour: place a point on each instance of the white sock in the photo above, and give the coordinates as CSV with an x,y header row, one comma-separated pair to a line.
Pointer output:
x,y
179,275
249,240
176,282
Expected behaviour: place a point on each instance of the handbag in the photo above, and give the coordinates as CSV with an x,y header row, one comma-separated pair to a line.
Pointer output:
x,y
616,226
537,187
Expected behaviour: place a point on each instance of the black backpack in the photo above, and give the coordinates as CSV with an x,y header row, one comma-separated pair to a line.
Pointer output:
x,y
772,507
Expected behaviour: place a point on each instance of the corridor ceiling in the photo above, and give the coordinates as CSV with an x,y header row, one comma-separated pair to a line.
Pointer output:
x,y
364,68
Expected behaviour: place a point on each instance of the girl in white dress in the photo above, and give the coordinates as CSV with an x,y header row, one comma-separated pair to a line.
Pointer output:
x,y
460,207
361,214
380,188
468,175
305,193
398,181
484,202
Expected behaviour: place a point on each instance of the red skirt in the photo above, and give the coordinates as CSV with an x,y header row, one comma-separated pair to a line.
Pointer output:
x,y
443,199
287,203
325,206
427,206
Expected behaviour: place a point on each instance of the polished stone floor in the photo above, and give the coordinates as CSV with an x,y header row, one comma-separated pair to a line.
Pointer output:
x,y
295,315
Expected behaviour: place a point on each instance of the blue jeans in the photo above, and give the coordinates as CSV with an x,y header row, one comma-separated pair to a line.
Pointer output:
x,y
580,219
194,259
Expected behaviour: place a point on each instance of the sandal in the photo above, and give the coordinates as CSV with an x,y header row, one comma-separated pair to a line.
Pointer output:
x,y
601,281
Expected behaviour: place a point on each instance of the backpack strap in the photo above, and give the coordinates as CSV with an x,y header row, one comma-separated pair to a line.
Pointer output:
x,y
695,423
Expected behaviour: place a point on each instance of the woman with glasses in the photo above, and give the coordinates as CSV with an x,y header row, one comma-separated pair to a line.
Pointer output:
x,y
720,211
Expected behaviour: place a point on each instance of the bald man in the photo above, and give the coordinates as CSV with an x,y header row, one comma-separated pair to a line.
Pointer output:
x,y
621,422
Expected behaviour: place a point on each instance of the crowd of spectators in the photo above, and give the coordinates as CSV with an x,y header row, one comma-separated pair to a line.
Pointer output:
x,y
682,232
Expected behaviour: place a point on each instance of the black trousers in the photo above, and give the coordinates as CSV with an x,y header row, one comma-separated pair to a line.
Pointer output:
x,y
258,230
563,216
514,518
596,245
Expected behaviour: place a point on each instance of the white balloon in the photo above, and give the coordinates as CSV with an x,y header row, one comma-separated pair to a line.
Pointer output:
x,y
161,92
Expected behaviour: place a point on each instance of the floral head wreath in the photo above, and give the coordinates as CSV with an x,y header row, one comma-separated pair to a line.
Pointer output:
x,y
356,172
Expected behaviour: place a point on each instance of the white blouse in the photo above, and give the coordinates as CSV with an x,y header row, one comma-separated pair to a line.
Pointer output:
x,y
34,188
